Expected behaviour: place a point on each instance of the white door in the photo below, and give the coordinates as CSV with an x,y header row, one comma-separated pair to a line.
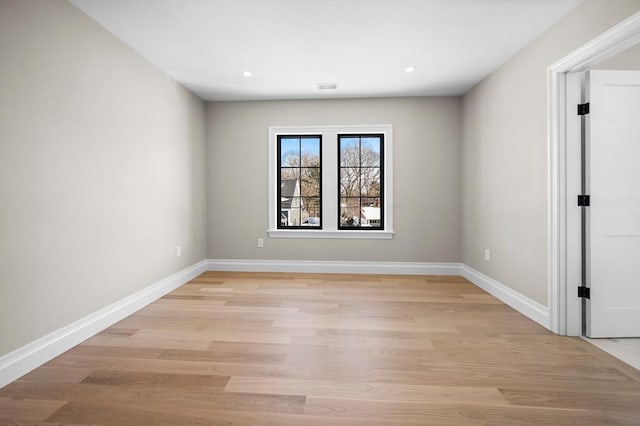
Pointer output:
x,y
613,219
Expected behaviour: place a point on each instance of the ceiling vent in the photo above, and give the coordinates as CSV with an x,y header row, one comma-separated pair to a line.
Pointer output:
x,y
327,86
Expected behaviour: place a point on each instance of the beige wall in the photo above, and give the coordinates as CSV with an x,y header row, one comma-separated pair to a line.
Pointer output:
x,y
101,170
504,153
426,178
628,59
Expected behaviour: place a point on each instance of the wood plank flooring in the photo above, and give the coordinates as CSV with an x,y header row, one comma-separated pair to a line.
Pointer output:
x,y
318,349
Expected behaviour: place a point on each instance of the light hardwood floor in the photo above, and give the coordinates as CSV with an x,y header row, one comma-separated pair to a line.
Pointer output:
x,y
307,350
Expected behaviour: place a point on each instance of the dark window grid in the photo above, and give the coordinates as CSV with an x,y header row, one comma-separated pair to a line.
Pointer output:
x,y
279,180
360,167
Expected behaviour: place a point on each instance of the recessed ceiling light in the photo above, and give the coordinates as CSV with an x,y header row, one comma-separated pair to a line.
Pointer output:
x,y
410,69
327,86
247,73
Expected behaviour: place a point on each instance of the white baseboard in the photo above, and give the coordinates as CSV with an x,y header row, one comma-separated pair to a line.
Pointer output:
x,y
32,355
334,267
521,303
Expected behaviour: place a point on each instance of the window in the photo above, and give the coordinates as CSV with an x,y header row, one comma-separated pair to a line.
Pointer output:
x,y
299,182
361,177
331,182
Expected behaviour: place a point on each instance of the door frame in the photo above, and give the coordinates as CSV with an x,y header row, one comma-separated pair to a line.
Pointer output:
x,y
563,250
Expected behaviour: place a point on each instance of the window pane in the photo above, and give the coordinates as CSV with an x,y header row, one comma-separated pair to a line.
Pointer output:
x,y
289,189
310,181
310,151
371,212
289,179
293,211
370,181
350,212
311,211
349,151
349,182
370,152
289,151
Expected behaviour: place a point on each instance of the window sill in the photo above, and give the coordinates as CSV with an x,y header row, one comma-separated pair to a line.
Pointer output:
x,y
348,235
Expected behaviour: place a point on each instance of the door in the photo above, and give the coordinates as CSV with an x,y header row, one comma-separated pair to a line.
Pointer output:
x,y
612,166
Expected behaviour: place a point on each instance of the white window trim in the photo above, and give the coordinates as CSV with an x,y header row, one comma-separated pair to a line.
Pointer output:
x,y
330,182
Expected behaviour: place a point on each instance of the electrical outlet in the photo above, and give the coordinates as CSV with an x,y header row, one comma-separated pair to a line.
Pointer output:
x,y
178,251
487,255
260,242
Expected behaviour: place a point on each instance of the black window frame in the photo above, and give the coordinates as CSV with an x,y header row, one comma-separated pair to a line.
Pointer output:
x,y
279,181
380,227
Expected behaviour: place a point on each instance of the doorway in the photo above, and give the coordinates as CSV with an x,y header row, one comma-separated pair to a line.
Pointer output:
x,y
564,170
565,233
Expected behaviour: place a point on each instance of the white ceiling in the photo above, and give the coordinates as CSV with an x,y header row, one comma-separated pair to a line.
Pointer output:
x,y
291,45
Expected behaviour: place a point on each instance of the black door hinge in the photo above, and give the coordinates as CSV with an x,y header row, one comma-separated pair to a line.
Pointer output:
x,y
583,109
584,292
584,200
